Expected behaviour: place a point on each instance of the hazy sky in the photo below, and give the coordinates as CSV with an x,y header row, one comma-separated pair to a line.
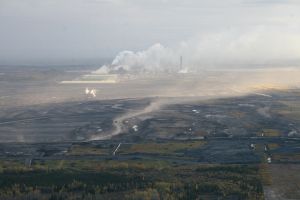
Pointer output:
x,y
68,31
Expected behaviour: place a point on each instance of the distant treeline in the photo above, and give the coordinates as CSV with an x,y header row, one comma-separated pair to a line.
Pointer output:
x,y
226,182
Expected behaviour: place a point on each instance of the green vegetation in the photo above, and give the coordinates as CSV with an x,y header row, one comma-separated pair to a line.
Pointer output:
x,y
271,133
265,174
78,150
162,148
128,179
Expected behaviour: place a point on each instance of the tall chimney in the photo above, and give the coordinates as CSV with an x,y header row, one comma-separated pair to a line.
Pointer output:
x,y
181,63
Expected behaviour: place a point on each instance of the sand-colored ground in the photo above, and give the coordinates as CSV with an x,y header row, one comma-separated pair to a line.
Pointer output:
x,y
285,182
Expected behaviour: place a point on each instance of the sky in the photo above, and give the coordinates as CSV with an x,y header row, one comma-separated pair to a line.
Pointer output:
x,y
211,32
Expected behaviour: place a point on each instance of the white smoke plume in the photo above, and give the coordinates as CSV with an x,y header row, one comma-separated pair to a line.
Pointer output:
x,y
259,47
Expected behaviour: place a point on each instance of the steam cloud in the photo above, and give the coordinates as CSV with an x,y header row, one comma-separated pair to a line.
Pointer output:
x,y
261,47
258,47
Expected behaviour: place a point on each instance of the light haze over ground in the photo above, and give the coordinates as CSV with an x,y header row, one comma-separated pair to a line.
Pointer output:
x,y
208,33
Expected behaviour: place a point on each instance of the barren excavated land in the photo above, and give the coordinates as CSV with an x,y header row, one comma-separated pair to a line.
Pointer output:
x,y
230,147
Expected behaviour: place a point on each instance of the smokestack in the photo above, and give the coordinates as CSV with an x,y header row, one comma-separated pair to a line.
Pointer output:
x,y
181,63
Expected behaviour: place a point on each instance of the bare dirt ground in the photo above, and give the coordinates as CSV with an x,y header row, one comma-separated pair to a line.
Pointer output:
x,y
285,182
